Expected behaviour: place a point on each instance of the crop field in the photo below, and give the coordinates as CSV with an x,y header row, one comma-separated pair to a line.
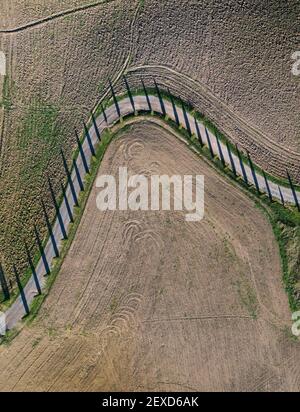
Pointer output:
x,y
145,300
48,95
148,301
58,70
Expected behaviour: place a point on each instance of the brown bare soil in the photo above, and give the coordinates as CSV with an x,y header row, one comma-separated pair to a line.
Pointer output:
x,y
232,61
19,13
148,301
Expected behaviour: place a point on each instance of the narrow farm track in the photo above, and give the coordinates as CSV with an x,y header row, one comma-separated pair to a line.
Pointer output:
x,y
50,18
113,113
148,301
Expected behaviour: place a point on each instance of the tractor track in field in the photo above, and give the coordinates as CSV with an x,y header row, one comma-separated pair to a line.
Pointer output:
x,y
50,18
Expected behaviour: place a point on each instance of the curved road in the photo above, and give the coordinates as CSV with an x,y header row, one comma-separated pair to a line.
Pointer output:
x,y
16,312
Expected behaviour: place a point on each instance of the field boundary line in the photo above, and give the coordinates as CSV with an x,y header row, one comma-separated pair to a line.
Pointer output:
x,y
54,16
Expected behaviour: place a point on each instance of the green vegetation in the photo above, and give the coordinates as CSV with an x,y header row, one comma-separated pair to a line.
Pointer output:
x,y
14,293
39,125
287,233
38,141
39,130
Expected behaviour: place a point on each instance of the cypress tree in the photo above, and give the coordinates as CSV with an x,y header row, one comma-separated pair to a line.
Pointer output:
x,y
233,168
253,173
209,143
50,231
89,140
77,172
147,96
41,250
267,186
22,293
59,217
81,151
198,131
242,165
220,151
129,94
70,214
69,178
115,99
281,196
104,114
33,271
174,108
96,127
162,105
186,119
293,191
